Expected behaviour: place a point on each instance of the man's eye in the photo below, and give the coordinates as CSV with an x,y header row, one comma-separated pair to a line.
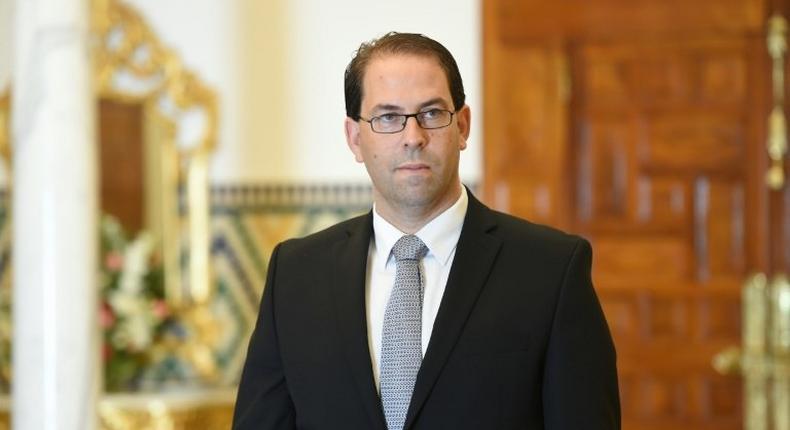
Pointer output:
x,y
388,118
431,114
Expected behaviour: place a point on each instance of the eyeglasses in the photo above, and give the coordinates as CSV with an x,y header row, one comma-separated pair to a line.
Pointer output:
x,y
394,122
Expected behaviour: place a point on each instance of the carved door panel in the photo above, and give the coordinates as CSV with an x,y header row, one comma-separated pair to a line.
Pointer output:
x,y
661,151
641,126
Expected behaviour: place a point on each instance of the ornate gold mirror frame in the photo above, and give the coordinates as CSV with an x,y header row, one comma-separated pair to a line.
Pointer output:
x,y
179,131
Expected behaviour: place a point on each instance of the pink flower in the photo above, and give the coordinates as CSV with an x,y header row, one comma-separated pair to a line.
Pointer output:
x,y
160,309
106,317
113,261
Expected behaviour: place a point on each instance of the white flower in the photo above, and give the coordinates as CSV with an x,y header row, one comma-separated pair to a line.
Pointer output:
x,y
140,331
125,304
135,265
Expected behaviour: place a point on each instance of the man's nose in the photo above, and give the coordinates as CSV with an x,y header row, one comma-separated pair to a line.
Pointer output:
x,y
413,134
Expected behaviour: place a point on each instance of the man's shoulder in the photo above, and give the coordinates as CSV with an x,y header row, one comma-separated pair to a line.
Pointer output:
x,y
528,246
524,233
323,239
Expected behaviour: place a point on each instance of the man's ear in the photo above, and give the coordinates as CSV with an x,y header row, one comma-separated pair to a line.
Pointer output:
x,y
464,120
352,138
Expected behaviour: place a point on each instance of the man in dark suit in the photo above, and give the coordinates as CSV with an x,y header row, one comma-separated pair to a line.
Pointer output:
x,y
431,311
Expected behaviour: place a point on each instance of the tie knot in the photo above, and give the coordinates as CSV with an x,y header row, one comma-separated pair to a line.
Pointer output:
x,y
409,247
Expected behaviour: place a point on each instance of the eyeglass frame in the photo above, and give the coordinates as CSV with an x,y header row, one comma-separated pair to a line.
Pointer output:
x,y
406,117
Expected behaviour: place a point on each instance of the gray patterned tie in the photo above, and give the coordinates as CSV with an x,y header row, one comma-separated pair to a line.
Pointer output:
x,y
401,347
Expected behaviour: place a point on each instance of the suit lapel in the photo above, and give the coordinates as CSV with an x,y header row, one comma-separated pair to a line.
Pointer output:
x,y
474,256
350,271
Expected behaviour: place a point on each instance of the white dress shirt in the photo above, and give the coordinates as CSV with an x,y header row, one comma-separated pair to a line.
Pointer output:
x,y
440,235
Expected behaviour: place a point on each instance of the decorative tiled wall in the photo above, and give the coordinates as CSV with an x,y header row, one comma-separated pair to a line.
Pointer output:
x,y
247,223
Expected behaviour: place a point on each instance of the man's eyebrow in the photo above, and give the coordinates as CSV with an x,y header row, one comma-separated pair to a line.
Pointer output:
x,y
434,101
386,107
396,108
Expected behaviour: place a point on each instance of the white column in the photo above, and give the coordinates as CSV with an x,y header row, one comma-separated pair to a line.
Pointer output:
x,y
55,350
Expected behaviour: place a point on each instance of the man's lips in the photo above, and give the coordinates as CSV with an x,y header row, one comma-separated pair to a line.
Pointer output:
x,y
413,166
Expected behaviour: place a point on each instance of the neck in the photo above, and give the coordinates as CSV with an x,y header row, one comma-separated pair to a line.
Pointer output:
x,y
410,219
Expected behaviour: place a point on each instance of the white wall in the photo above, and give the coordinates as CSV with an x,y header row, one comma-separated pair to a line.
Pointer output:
x,y
278,63
6,53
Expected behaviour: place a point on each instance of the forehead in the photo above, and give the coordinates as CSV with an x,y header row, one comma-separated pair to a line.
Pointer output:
x,y
402,80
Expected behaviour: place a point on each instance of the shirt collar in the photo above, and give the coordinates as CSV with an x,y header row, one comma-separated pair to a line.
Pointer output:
x,y
440,235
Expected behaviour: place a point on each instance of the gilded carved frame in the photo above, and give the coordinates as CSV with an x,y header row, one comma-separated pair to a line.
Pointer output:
x,y
126,50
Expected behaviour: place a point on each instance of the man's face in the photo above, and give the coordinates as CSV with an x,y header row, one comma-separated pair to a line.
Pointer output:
x,y
415,170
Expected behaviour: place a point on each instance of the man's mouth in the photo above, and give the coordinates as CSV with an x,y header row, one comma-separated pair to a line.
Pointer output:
x,y
413,166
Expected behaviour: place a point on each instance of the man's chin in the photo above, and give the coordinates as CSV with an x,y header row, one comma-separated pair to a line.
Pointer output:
x,y
416,195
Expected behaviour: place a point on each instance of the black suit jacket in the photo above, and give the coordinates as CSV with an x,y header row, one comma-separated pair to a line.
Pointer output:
x,y
519,342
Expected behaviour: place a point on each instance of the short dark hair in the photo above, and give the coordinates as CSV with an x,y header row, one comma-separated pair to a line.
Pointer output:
x,y
399,43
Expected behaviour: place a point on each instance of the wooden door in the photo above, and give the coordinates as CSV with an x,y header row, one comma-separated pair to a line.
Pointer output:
x,y
641,125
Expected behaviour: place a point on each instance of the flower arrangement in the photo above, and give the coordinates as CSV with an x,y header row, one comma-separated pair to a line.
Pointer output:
x,y
145,344
134,313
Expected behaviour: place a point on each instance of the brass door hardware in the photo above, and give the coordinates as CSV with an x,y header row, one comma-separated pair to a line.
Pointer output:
x,y
764,356
777,123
